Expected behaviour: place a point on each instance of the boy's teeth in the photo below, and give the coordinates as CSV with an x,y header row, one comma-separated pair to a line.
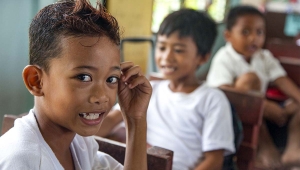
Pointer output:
x,y
169,68
89,116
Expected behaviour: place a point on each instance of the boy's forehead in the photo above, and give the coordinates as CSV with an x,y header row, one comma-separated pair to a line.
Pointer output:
x,y
174,37
89,50
246,17
84,41
87,43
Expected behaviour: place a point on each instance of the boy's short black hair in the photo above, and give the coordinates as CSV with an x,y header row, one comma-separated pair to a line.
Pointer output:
x,y
189,22
239,11
74,18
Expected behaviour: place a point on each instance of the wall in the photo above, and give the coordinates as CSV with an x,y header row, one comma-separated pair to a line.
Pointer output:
x,y
15,18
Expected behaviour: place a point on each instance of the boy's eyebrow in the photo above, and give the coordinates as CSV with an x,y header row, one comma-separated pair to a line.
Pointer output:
x,y
118,68
174,44
179,44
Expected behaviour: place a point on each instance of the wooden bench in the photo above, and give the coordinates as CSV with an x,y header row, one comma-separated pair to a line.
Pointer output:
x,y
157,158
249,108
292,68
283,48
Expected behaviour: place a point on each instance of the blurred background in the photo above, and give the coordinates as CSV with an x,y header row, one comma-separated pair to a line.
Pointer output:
x,y
137,18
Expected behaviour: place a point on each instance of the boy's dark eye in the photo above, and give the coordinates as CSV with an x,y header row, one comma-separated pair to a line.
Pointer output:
x,y
84,77
161,48
245,32
179,50
260,32
112,80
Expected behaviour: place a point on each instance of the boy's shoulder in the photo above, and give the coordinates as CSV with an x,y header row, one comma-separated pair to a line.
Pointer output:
x,y
212,92
22,132
225,54
159,83
266,53
202,89
21,145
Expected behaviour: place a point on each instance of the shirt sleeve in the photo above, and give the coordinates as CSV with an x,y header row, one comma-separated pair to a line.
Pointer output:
x,y
220,72
116,107
218,128
106,162
21,158
273,66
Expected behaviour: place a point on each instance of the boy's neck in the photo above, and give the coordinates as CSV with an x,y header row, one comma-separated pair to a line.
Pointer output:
x,y
184,86
59,140
247,59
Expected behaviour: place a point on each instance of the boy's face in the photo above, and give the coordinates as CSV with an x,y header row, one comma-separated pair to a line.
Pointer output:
x,y
177,58
247,35
81,85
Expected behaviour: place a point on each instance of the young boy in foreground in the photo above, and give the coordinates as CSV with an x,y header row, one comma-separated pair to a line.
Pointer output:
x,y
75,76
184,115
243,65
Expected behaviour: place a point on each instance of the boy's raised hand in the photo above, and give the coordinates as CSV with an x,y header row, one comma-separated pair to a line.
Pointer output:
x,y
134,91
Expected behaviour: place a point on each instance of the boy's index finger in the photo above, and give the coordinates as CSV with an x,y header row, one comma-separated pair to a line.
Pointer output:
x,y
128,69
126,65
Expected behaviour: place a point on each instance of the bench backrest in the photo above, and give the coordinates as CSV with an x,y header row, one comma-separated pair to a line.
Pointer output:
x,y
249,108
292,68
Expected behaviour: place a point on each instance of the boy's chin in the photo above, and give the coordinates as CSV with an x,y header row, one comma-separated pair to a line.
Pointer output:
x,y
248,56
90,132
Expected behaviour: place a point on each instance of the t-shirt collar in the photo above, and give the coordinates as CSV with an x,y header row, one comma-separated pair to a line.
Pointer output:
x,y
233,53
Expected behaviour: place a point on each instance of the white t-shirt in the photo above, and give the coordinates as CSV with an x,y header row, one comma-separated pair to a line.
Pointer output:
x,y
23,147
189,124
227,65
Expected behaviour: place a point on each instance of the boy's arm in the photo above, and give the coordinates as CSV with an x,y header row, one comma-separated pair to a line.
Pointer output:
x,y
113,118
213,160
288,87
134,92
218,134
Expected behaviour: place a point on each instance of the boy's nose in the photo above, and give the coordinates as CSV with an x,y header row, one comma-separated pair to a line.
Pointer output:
x,y
167,55
252,37
98,96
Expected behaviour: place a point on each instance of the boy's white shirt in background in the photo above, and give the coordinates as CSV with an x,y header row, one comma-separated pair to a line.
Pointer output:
x,y
23,147
227,65
189,124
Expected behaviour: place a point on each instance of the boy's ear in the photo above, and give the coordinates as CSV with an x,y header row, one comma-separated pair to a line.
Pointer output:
x,y
204,59
32,77
227,35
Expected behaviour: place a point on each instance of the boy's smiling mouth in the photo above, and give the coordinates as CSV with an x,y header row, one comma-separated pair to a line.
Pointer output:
x,y
252,48
90,116
168,69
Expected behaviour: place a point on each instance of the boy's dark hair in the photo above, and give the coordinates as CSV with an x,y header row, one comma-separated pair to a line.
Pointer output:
x,y
239,11
73,18
192,23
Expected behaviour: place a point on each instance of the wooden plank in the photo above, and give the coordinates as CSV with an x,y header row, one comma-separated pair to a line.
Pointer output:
x,y
249,107
157,158
292,68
